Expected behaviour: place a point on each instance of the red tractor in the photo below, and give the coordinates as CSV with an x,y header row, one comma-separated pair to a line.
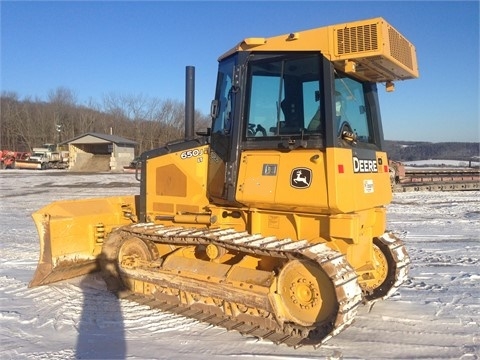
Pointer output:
x,y
8,158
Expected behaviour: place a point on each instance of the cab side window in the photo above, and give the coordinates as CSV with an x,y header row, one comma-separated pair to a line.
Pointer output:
x,y
224,112
350,107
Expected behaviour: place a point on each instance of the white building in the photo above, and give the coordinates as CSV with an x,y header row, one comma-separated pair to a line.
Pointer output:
x,y
93,152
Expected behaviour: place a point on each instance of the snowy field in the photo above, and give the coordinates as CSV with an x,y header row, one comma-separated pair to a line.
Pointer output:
x,y
436,315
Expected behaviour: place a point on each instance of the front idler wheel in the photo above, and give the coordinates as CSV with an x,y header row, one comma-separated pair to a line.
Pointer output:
x,y
123,251
385,268
134,252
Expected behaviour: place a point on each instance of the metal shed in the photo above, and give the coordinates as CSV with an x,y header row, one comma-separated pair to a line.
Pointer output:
x,y
100,152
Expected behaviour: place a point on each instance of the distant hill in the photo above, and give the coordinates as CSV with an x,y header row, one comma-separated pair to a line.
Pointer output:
x,y
414,150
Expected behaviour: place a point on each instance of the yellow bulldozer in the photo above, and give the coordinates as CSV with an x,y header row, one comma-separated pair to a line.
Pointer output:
x,y
272,222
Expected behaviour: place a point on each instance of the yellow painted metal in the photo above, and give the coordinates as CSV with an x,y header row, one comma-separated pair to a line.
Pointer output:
x,y
351,234
334,186
371,49
340,207
176,184
292,225
71,235
193,219
350,191
304,294
214,252
134,251
265,177
374,274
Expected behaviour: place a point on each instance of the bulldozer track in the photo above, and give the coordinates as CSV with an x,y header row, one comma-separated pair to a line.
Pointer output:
x,y
262,322
401,265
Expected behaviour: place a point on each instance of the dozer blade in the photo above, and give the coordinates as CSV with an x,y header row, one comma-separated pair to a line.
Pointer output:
x,y
71,234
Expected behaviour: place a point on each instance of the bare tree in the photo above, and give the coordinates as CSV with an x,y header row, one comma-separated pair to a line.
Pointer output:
x,y
62,96
150,122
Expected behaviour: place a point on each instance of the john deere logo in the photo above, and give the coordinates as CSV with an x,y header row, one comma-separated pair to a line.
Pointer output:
x,y
301,178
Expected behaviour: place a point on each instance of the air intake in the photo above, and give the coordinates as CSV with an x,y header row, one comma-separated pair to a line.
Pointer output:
x,y
356,39
400,48
374,51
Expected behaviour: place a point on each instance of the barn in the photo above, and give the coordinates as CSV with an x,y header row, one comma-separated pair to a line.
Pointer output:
x,y
94,152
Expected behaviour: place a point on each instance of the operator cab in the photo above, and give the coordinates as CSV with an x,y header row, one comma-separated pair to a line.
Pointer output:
x,y
286,101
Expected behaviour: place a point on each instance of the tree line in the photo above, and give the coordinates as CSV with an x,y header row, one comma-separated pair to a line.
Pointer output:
x,y
411,151
151,122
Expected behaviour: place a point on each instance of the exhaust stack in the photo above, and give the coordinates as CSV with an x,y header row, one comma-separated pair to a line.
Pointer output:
x,y
189,102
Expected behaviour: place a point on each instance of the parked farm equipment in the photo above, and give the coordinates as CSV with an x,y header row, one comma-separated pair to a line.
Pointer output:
x,y
405,178
46,157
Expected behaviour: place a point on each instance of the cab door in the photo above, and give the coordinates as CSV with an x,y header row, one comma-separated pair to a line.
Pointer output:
x,y
224,133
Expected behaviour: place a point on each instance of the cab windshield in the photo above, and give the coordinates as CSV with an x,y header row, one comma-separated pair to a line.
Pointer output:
x,y
284,96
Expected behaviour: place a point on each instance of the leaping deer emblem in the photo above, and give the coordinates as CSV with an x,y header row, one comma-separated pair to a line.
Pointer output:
x,y
301,178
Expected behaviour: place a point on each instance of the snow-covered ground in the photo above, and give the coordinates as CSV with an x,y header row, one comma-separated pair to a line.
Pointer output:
x,y
436,315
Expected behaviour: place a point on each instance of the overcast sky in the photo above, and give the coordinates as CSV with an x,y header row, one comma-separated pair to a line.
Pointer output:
x,y
99,48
